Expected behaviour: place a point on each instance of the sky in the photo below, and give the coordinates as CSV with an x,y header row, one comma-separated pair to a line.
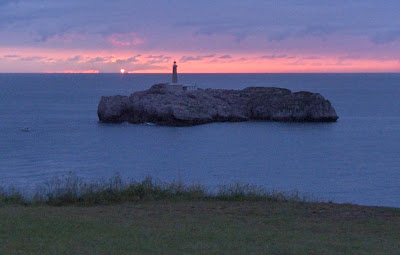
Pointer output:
x,y
219,36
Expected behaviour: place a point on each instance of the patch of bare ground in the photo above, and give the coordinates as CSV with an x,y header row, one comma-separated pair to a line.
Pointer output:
x,y
349,212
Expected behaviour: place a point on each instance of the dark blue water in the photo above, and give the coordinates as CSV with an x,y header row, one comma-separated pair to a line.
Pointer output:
x,y
354,160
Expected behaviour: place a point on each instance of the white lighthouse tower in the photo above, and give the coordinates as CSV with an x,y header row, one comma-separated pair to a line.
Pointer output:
x,y
174,73
174,85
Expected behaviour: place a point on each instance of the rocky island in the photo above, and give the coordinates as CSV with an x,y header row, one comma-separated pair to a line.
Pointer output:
x,y
178,105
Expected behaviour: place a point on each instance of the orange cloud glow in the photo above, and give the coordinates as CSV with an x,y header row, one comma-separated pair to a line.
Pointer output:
x,y
79,71
253,64
70,61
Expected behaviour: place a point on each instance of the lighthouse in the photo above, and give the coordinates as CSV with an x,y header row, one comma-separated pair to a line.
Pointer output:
x,y
174,85
174,73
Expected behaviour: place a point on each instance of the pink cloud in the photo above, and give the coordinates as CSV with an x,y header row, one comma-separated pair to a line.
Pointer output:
x,y
125,39
66,37
79,71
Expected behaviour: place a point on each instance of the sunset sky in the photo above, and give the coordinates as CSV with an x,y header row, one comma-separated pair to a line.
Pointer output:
x,y
202,36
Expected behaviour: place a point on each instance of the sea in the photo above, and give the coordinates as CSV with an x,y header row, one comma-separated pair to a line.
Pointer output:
x,y
354,160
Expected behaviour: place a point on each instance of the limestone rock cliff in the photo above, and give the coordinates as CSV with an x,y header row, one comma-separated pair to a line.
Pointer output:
x,y
170,105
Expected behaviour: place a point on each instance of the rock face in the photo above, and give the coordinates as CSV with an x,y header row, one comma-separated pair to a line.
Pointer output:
x,y
171,105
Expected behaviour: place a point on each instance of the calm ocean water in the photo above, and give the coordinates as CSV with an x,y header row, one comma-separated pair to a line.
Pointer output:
x,y
356,159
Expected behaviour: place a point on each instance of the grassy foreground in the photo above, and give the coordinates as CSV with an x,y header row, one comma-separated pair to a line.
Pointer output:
x,y
187,220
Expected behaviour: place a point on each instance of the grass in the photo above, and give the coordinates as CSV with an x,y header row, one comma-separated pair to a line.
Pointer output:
x,y
113,217
72,190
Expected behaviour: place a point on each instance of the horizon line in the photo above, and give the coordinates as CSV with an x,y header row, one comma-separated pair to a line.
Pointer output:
x,y
398,72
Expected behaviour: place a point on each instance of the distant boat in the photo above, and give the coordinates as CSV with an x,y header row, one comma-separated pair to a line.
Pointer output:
x,y
25,129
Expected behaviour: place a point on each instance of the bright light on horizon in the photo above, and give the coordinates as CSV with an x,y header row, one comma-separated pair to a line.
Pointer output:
x,y
122,71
